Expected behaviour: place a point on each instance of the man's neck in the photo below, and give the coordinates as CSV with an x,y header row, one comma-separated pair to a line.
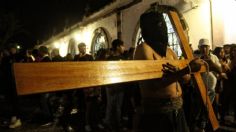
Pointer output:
x,y
82,54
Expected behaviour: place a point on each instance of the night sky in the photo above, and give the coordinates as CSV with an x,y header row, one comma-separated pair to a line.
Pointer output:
x,y
40,19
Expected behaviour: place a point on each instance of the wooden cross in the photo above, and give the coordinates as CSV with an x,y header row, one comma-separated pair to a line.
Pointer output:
x,y
33,78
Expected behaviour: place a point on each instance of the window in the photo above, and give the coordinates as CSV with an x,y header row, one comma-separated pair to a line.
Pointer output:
x,y
172,36
100,41
72,47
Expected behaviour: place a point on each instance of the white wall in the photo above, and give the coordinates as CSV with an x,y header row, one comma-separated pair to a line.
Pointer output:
x,y
223,20
109,24
85,34
229,21
199,23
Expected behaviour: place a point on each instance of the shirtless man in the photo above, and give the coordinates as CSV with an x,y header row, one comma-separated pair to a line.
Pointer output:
x,y
161,108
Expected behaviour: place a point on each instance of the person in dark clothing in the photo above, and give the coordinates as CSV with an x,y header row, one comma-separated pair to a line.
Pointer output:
x,y
47,114
83,56
43,53
56,57
35,54
230,91
115,93
77,106
10,85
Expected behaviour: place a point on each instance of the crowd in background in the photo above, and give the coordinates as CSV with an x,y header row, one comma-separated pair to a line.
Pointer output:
x,y
76,110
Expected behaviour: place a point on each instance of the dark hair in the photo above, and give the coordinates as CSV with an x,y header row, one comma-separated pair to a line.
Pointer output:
x,y
217,51
35,52
81,44
43,49
116,43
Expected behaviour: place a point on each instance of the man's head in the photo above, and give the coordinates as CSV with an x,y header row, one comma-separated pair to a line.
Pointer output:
x,y
55,52
118,46
227,48
233,51
43,50
154,31
204,46
82,48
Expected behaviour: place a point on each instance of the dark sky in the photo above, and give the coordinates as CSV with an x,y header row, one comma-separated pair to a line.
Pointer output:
x,y
42,18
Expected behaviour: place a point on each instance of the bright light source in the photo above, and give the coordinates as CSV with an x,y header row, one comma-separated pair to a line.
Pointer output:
x,y
87,37
63,49
56,45
18,47
77,37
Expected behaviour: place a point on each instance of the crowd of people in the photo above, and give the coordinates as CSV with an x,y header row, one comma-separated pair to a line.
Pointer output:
x,y
80,109
164,104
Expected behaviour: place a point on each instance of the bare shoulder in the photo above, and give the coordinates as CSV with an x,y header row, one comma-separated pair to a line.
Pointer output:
x,y
143,52
171,54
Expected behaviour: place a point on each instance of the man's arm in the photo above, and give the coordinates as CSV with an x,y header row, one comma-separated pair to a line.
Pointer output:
x,y
172,74
144,52
213,63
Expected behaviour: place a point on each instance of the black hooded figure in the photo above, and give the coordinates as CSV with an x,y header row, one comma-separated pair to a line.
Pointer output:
x,y
154,31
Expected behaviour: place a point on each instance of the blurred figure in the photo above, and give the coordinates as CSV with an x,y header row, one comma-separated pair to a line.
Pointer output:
x,y
35,53
102,54
44,55
25,56
222,84
213,62
55,55
82,95
9,83
224,61
115,92
230,92
45,97
83,56
226,48
69,57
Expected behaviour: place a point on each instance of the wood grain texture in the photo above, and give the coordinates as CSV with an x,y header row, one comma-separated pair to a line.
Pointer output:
x,y
189,55
34,78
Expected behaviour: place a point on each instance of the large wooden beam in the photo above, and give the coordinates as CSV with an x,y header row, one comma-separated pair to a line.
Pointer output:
x,y
32,78
189,55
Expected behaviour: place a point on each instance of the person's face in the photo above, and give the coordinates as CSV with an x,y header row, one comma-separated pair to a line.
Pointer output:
x,y
233,52
227,49
222,53
82,49
205,49
121,49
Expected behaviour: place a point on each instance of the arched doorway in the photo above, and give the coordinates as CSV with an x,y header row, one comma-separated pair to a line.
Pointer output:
x,y
100,40
72,47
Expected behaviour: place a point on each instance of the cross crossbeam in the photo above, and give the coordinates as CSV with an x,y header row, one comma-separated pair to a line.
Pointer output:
x,y
32,78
